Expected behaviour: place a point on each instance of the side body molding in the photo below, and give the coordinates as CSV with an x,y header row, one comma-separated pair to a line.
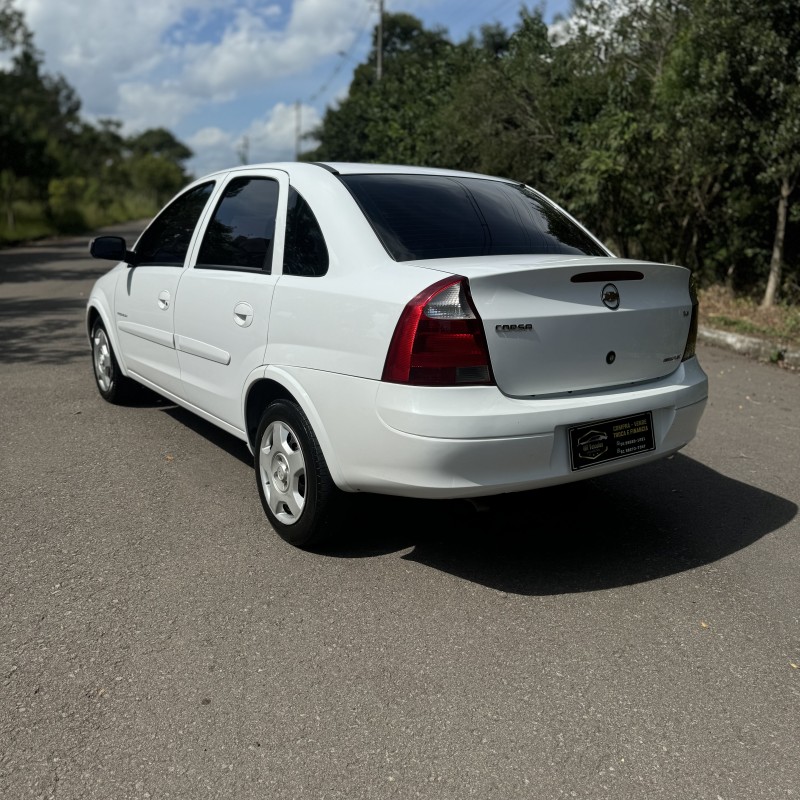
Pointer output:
x,y
164,338
196,348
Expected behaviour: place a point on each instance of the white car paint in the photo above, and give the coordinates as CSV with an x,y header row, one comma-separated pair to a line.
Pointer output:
x,y
145,323
204,337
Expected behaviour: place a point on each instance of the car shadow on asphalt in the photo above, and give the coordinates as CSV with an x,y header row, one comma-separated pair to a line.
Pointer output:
x,y
635,526
225,441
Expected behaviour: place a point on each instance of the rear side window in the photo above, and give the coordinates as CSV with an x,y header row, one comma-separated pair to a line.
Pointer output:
x,y
242,230
167,238
305,251
429,216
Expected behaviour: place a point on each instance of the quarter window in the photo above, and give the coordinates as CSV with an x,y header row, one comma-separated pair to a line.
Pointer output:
x,y
240,235
305,251
167,238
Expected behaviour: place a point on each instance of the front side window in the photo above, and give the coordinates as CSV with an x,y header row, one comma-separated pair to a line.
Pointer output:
x,y
240,235
305,251
166,240
430,216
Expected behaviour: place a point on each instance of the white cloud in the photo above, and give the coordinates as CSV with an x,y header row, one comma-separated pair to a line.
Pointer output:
x,y
269,138
213,149
207,138
273,138
174,63
252,53
155,61
99,44
147,105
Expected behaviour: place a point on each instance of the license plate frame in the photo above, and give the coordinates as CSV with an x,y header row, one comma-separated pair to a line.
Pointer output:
x,y
610,440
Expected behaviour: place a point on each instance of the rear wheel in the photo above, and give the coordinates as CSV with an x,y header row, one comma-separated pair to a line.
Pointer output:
x,y
111,383
299,496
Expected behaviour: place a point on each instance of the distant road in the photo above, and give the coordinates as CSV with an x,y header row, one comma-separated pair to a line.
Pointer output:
x,y
628,637
43,291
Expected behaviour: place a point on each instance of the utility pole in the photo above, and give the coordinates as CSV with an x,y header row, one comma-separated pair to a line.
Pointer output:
x,y
243,151
297,130
379,43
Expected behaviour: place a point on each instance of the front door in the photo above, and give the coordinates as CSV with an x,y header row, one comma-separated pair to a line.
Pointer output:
x,y
222,314
144,301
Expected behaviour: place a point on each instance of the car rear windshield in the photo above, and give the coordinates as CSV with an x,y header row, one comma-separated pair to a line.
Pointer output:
x,y
431,216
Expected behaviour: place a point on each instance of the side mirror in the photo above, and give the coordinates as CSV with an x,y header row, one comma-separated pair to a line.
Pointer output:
x,y
111,248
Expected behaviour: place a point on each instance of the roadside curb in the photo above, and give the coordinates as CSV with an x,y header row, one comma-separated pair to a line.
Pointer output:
x,y
750,346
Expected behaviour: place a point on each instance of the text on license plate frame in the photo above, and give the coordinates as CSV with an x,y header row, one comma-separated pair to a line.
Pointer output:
x,y
610,440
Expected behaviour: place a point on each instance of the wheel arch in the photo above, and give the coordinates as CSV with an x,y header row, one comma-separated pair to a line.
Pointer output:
x,y
277,384
95,311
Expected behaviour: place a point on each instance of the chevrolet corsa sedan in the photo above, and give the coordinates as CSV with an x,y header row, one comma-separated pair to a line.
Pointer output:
x,y
400,330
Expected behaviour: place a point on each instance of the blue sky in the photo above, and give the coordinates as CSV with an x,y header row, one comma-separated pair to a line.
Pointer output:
x,y
216,73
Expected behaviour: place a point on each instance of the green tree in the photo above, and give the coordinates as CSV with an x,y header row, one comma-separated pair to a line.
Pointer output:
x,y
501,119
71,173
159,142
735,82
394,119
156,175
38,112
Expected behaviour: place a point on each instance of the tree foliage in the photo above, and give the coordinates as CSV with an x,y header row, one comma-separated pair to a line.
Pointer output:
x,y
60,170
670,127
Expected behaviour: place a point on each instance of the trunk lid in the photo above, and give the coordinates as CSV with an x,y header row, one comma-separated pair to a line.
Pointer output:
x,y
557,324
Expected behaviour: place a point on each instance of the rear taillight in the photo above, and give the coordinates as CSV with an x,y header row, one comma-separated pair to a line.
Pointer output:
x,y
691,340
439,340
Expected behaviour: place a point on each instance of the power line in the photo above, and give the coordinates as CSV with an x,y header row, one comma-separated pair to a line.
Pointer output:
x,y
344,56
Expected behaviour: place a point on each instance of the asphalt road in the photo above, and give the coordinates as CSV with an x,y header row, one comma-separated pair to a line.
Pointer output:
x,y
635,636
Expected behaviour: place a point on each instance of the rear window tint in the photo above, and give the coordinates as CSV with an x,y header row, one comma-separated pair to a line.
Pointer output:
x,y
420,217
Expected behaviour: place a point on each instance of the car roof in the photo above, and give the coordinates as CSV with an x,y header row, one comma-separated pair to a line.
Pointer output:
x,y
348,168
352,168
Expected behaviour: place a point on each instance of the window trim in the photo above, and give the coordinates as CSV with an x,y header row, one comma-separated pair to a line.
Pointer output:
x,y
228,268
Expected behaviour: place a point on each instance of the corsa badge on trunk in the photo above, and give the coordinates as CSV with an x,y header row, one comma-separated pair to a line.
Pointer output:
x,y
610,296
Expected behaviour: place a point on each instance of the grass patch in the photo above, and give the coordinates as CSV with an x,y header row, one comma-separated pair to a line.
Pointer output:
x,y
29,223
719,308
33,220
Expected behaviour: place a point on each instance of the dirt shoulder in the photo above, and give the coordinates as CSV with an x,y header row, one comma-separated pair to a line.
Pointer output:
x,y
740,324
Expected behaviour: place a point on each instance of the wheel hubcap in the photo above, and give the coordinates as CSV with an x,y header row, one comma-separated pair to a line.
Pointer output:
x,y
280,472
282,469
103,365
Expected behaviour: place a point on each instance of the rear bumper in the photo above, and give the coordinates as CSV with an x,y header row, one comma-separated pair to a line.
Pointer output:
x,y
475,441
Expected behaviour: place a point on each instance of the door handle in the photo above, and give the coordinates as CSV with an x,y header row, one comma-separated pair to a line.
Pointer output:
x,y
243,314
163,300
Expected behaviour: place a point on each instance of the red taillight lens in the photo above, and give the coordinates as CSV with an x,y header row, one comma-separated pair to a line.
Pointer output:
x,y
691,340
439,340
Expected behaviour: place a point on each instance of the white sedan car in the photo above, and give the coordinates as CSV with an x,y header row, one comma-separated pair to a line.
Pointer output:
x,y
399,330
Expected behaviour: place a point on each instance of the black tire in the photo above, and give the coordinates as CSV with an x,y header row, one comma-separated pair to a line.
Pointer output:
x,y
111,383
299,496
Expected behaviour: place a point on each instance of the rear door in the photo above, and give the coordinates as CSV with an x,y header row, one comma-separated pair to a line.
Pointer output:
x,y
224,297
144,300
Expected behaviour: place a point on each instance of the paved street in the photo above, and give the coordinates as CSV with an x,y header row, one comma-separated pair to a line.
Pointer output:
x,y
635,636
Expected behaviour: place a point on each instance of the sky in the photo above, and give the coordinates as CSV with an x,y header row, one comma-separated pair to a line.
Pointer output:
x,y
219,74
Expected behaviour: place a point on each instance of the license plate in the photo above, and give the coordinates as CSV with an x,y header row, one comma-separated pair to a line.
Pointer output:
x,y
610,440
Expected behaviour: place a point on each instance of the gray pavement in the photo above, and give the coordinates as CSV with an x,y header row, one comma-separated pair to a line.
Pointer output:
x,y
635,636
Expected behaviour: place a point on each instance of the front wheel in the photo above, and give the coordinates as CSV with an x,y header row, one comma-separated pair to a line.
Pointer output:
x,y
111,383
297,491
